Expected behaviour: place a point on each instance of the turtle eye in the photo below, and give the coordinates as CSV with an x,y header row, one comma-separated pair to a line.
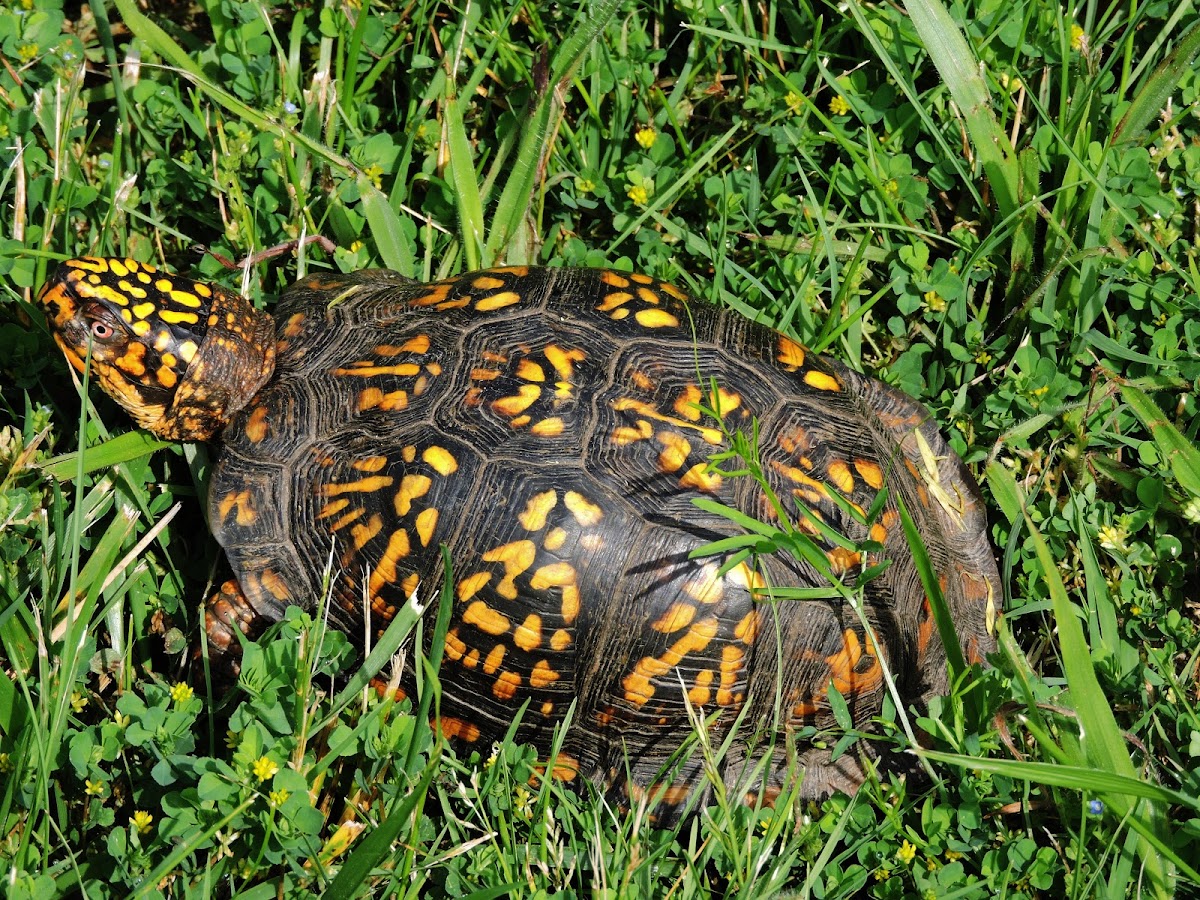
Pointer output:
x,y
102,331
100,322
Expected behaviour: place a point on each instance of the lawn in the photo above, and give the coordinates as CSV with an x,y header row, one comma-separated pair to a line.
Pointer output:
x,y
991,206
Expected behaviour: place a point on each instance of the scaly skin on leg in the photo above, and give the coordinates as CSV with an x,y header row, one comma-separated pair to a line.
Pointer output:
x,y
227,610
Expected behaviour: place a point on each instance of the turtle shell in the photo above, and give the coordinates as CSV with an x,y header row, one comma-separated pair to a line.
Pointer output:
x,y
554,429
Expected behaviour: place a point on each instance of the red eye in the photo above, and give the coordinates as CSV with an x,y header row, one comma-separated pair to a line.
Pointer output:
x,y
102,331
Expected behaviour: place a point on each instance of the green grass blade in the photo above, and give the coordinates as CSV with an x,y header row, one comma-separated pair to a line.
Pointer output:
x,y
1174,447
467,198
959,68
386,229
1149,101
122,448
538,131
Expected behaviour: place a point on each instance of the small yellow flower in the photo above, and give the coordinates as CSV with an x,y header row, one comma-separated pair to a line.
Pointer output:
x,y
1079,38
93,788
794,101
264,768
27,52
584,185
935,301
1135,610
646,136
838,106
1113,537
121,720
355,246
78,701
495,755
232,739
6,763
1191,510
375,173
952,855
907,853
278,798
181,693
523,802
883,873
142,821
638,194
983,357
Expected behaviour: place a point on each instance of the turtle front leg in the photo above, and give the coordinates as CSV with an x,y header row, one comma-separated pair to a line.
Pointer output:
x,y
226,611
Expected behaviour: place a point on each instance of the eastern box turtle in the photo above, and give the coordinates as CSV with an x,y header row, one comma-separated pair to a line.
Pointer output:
x,y
552,427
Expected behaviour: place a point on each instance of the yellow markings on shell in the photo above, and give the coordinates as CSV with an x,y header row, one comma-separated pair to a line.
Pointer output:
x,y
202,289
243,503
117,267
563,361
559,575
789,353
624,435
845,664
842,560
708,587
506,685
839,474
515,404
294,327
586,512
408,453
746,578
870,472
638,688
374,398
676,450
731,666
187,350
699,477
362,485
656,318
166,376
487,283
367,369
537,508
333,508
492,661
878,533
498,301
360,536
530,370
141,328
687,404
456,729
479,374
528,635
648,296
256,425
472,585
710,435
614,300
555,539
612,279
437,293
142,310
560,640
426,523
821,381
746,630
516,557
349,518
700,693
411,487
440,460
551,427
418,344
542,675
486,619
369,463
455,648
677,616
385,567
640,278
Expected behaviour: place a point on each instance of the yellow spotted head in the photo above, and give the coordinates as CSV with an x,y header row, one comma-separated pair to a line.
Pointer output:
x,y
180,356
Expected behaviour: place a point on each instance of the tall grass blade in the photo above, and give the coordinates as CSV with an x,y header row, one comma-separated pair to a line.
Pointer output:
x,y
1175,448
1149,101
959,68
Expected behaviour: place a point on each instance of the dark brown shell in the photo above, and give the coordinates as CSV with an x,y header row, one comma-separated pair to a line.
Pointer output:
x,y
545,425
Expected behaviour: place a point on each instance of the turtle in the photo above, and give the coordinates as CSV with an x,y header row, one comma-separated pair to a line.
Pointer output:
x,y
572,437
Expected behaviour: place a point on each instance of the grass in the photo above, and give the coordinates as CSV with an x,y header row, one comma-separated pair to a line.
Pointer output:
x,y
992,206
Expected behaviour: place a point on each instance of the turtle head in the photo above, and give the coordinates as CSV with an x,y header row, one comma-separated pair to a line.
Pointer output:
x,y
180,356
